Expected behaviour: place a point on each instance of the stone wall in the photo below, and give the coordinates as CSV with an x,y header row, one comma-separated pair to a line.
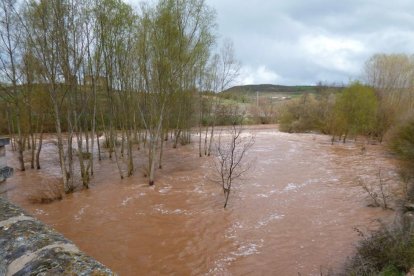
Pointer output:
x,y
5,171
3,162
29,247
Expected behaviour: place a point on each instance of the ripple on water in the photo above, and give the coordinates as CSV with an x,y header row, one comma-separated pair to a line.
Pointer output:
x,y
244,249
80,213
265,221
160,209
126,200
165,189
295,187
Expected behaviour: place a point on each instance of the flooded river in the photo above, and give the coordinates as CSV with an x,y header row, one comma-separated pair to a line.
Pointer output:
x,y
293,213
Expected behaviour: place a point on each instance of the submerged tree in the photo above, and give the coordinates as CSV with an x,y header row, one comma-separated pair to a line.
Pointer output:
x,y
222,70
92,68
230,157
174,41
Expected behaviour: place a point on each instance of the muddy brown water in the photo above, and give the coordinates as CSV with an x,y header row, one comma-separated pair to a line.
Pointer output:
x,y
294,213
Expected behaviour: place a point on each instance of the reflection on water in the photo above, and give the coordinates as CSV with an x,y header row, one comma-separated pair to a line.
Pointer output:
x,y
295,212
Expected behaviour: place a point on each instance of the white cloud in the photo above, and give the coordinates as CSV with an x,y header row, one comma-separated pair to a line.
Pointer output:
x,y
259,74
334,53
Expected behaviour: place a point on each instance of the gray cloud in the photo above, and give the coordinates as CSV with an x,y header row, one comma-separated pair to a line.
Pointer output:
x,y
302,42
306,41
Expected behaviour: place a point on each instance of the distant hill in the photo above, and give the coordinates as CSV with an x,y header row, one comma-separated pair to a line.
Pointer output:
x,y
250,90
271,88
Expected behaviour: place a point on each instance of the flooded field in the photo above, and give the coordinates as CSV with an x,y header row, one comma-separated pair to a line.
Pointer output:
x,y
294,213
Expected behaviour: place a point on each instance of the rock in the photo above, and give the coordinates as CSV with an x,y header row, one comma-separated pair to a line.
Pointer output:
x,y
29,247
408,220
409,206
3,188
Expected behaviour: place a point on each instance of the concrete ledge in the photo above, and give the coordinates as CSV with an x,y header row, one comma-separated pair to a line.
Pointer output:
x,y
5,172
29,247
4,141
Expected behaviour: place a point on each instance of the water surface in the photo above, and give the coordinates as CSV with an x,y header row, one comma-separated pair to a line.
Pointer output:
x,y
294,213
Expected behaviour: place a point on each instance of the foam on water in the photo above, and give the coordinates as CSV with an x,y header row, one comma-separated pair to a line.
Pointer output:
x,y
40,212
165,189
243,250
78,216
125,201
265,221
159,208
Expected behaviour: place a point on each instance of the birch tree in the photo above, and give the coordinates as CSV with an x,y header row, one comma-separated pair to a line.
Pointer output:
x,y
55,30
174,36
11,52
223,70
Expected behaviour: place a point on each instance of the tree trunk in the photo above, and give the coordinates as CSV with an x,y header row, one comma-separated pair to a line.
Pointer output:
x,y
161,151
211,140
227,192
116,158
39,148
130,156
32,150
40,143
20,143
151,161
99,147
199,141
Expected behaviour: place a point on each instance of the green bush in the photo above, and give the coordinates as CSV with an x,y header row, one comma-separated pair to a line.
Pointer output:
x,y
355,111
387,251
301,115
402,143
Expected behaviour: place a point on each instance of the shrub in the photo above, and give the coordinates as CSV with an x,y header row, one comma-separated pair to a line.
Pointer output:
x,y
300,115
402,144
355,111
387,251
47,192
265,112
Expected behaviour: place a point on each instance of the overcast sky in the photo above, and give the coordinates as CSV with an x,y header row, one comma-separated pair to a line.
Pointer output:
x,y
305,41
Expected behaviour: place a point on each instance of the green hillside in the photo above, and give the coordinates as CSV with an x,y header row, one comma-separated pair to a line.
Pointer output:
x,y
248,93
271,88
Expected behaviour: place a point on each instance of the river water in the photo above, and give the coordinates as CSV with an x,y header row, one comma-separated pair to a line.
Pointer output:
x,y
295,212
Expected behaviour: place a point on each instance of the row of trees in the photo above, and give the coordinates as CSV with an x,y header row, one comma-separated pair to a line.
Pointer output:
x,y
90,68
385,100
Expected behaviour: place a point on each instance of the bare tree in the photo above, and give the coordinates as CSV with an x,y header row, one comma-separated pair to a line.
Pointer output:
x,y
10,41
222,70
229,68
230,155
378,192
